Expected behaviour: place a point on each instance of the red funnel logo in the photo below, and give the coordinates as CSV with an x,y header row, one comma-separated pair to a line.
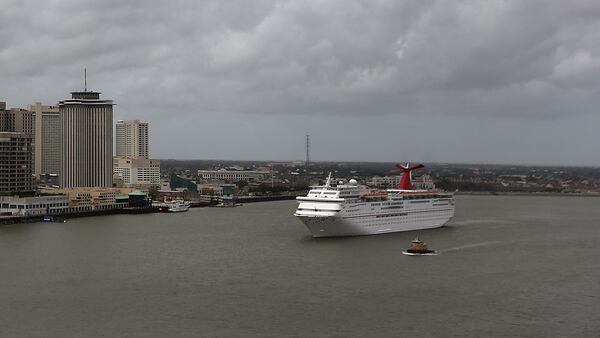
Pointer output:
x,y
405,181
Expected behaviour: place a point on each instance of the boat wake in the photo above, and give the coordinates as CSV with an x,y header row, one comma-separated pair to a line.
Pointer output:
x,y
433,253
482,244
479,221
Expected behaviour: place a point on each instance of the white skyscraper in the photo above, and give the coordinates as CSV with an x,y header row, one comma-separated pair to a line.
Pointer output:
x,y
132,139
86,145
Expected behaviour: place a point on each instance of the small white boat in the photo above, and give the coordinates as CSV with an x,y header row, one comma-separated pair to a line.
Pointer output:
x,y
56,219
177,205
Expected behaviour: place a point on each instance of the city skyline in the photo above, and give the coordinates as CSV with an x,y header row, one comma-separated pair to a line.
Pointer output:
x,y
460,82
299,168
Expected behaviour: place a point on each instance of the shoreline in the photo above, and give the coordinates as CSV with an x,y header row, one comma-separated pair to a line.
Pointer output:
x,y
134,211
38,218
518,193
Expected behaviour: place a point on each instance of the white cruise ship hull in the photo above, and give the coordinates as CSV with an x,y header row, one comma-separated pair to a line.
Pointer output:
x,y
336,226
352,210
398,211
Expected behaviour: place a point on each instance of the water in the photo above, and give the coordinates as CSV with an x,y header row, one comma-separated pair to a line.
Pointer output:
x,y
509,266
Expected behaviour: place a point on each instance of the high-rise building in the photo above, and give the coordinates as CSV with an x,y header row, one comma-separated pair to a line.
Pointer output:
x,y
132,139
86,141
17,120
131,164
46,139
15,163
4,117
23,121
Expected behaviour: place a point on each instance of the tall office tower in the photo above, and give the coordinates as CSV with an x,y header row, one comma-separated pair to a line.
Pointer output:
x,y
132,139
86,141
17,120
5,119
47,139
15,163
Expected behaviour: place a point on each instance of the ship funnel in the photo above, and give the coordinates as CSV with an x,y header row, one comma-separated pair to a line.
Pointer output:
x,y
405,183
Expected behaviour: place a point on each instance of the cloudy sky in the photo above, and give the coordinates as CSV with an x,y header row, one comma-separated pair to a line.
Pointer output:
x,y
373,80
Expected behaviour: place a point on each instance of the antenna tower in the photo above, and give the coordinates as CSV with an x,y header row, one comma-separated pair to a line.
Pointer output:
x,y
85,79
307,150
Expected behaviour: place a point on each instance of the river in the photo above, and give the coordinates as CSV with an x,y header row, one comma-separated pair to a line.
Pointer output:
x,y
509,266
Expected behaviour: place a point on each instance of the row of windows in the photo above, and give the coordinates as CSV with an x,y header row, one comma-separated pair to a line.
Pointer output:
x,y
32,206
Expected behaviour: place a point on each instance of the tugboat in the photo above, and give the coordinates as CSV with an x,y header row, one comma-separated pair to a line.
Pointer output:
x,y
419,248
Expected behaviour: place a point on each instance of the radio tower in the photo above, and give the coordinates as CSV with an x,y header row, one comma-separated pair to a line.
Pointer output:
x,y
307,150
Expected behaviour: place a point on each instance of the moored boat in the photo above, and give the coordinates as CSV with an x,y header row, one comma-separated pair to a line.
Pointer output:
x,y
176,205
51,218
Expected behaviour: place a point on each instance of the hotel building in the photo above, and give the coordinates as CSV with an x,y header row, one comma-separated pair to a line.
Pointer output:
x,y
131,139
131,164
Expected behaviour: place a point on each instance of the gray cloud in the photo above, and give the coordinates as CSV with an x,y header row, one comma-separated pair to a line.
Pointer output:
x,y
429,79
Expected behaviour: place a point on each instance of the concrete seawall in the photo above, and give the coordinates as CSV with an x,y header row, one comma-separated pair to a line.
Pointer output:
x,y
252,199
38,218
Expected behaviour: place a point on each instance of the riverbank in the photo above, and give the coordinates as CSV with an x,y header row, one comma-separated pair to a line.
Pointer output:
x,y
38,218
253,199
518,193
131,211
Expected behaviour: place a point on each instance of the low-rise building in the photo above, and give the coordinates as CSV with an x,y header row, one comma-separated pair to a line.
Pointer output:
x,y
137,172
32,206
233,175
219,189
419,182
93,198
72,201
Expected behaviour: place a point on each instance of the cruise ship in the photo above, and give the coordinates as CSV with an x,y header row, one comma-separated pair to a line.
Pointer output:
x,y
349,209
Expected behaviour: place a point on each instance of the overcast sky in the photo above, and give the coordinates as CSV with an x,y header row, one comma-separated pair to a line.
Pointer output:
x,y
373,80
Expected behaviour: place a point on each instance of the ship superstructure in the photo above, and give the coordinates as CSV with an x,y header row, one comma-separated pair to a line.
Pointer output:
x,y
176,205
349,209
